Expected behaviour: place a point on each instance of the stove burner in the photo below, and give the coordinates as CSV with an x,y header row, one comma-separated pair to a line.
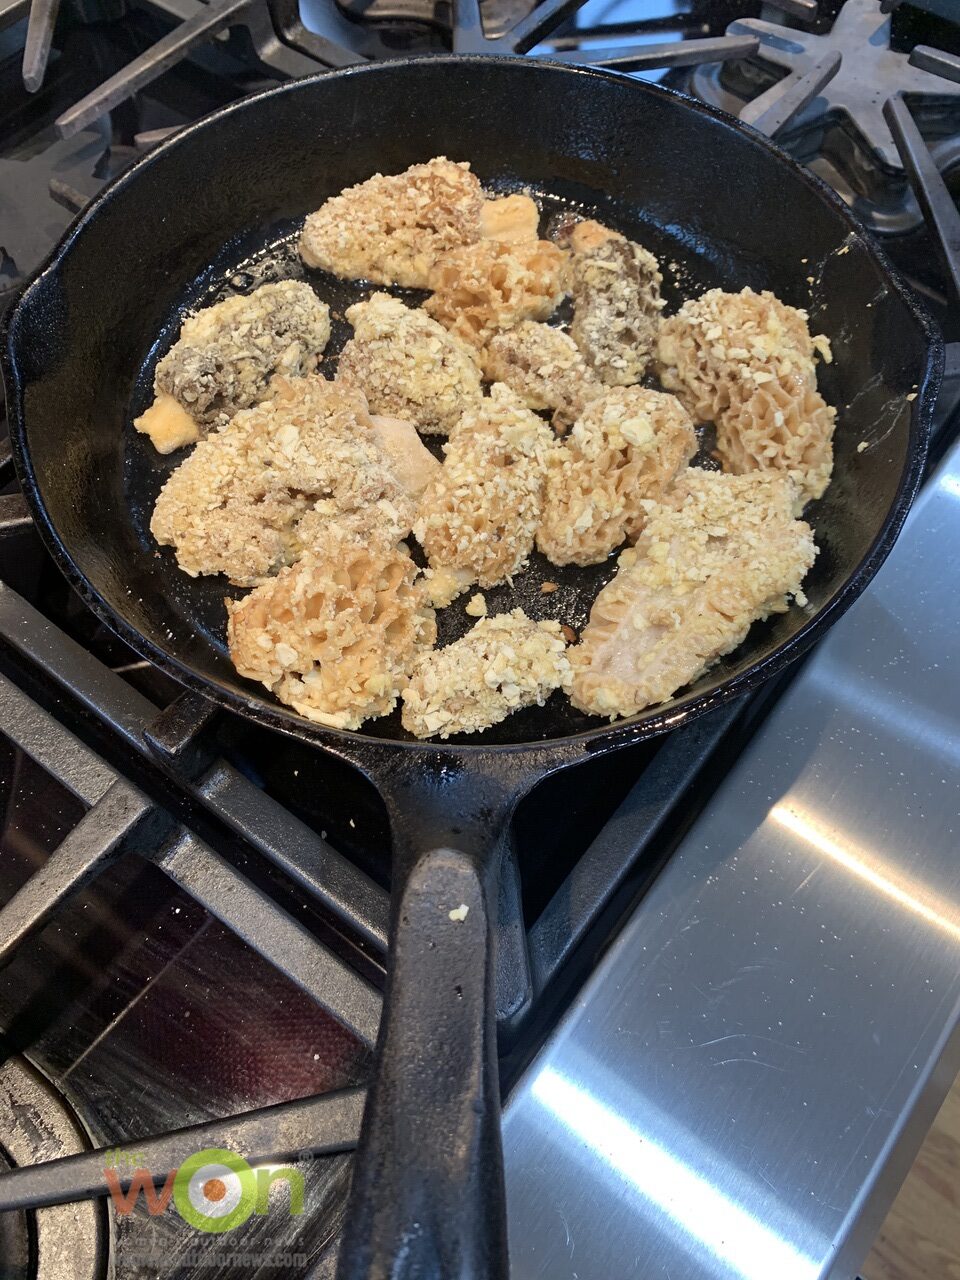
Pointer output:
x,y
61,1241
842,133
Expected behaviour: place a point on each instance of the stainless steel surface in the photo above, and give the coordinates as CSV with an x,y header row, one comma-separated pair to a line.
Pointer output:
x,y
745,1080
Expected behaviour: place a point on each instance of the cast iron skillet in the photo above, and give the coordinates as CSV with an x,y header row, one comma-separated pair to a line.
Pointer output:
x,y
219,203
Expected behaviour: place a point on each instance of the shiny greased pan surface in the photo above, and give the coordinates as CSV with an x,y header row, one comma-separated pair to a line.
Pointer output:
x,y
216,209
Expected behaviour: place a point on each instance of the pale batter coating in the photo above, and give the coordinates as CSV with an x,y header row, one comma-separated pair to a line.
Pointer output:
x,y
391,229
481,511
489,286
615,285
234,506
543,365
335,635
719,554
408,365
745,361
627,448
511,219
502,664
227,354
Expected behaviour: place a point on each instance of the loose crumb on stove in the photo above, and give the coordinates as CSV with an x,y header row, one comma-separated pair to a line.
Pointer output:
x,y
911,396
862,446
459,914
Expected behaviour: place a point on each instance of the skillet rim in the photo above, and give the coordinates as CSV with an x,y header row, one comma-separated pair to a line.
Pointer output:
x,y
352,744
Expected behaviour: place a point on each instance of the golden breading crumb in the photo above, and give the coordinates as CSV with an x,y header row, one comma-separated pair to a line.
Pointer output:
x,y
504,663
444,585
511,219
392,229
720,553
235,504
335,635
408,365
481,511
489,286
627,448
476,606
745,361
616,303
227,354
543,365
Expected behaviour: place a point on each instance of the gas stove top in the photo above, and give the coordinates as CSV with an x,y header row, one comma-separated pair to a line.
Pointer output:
x,y
194,931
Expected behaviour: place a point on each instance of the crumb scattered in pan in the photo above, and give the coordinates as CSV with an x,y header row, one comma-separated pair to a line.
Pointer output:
x,y
548,588
863,446
476,606
459,914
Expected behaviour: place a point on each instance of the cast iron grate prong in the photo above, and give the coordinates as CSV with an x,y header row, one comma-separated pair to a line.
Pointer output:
x,y
36,49
930,188
773,110
670,53
318,1126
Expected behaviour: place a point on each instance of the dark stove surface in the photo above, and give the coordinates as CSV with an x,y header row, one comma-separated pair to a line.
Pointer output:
x,y
207,935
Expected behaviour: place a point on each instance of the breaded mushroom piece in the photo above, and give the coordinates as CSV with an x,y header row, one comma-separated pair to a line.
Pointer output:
x,y
746,362
615,285
502,664
335,635
481,511
719,554
483,288
226,356
627,448
408,365
391,229
235,505
543,365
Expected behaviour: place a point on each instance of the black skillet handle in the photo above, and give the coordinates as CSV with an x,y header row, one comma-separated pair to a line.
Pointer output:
x,y
428,1197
